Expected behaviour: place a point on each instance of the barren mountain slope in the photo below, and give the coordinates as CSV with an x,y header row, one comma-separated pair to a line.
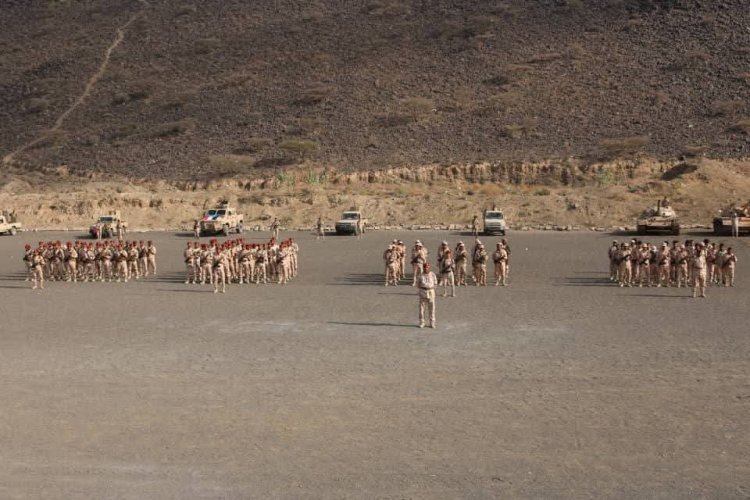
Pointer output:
x,y
237,87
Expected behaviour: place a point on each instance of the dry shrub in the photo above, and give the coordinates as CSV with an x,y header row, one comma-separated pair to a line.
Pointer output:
x,y
741,126
725,108
204,46
299,146
37,105
172,129
178,99
228,164
513,131
693,151
253,145
623,145
185,10
396,119
545,57
497,103
314,95
417,106
386,8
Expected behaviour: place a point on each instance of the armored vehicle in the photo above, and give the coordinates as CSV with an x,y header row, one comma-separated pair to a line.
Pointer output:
x,y
107,225
222,219
723,223
7,227
662,217
348,222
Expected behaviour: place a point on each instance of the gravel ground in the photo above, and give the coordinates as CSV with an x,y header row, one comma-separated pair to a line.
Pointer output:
x,y
559,386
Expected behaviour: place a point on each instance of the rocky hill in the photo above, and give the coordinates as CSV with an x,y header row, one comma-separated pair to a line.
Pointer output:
x,y
186,89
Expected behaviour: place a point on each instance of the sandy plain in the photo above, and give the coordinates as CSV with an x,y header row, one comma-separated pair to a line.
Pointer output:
x,y
558,386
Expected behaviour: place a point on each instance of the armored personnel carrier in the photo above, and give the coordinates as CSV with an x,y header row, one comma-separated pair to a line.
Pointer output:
x,y
107,225
222,219
662,217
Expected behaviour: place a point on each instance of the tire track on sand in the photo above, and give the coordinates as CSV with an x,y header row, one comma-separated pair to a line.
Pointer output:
x,y
92,81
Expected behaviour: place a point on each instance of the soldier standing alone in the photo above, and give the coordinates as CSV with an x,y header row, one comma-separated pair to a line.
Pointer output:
x,y
427,284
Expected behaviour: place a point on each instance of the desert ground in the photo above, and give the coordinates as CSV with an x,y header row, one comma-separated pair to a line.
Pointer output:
x,y
558,386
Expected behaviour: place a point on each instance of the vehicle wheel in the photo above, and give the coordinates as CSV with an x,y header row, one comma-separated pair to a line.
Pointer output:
x,y
502,233
225,230
12,231
717,228
641,230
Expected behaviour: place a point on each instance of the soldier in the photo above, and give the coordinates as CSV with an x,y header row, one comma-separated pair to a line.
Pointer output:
x,y
220,266
718,269
614,264
143,258
197,229
151,262
71,262
735,225
461,257
247,264
500,258
119,228
682,264
132,252
28,257
37,266
191,274
392,263
121,262
644,265
664,259
293,257
624,263
275,226
360,227
321,234
427,284
699,270
447,268
729,264
207,264
506,247
261,265
401,249
418,258
479,264
475,226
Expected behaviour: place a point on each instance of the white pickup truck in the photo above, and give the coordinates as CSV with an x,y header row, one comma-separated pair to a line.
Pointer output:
x,y
7,227
348,222
494,222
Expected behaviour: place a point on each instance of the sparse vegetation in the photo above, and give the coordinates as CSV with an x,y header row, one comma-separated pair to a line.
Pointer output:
x,y
314,95
299,146
37,105
741,126
623,146
725,108
172,129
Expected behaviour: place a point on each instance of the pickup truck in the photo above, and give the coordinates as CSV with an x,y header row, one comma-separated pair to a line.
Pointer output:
x,y
348,222
7,227
494,222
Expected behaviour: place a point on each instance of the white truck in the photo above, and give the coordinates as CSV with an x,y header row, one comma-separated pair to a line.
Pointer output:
x,y
348,222
494,222
7,227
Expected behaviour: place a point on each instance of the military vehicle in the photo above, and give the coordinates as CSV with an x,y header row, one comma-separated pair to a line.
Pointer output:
x,y
494,222
348,222
723,223
7,227
107,224
662,217
222,219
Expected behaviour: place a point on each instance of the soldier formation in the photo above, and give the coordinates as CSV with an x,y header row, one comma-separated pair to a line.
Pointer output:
x,y
236,261
451,266
87,262
696,264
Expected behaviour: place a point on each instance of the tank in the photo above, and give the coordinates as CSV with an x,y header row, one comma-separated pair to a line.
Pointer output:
x,y
661,218
722,224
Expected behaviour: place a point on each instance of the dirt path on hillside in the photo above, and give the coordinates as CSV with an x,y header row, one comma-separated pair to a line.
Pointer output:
x,y
92,81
